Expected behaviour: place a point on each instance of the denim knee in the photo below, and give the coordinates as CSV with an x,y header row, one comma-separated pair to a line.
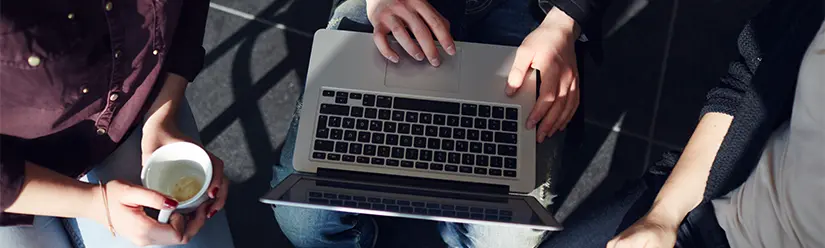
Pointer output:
x,y
481,236
350,12
306,227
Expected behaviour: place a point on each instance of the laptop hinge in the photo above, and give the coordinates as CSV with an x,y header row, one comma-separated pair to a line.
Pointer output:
x,y
416,182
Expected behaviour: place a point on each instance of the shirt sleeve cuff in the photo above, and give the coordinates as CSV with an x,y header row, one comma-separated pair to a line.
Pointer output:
x,y
12,174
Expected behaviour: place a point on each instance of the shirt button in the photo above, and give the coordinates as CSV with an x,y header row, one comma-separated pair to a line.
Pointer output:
x,y
34,60
84,90
101,131
70,16
117,54
113,97
155,52
108,6
759,59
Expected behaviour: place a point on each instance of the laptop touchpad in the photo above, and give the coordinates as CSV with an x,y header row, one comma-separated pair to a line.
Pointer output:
x,y
420,75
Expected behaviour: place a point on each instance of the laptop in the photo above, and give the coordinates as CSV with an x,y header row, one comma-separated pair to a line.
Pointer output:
x,y
411,140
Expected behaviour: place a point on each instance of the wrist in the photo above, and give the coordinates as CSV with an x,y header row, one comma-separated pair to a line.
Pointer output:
x,y
557,19
94,208
665,216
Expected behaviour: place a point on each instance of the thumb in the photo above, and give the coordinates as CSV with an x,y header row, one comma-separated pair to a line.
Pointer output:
x,y
137,196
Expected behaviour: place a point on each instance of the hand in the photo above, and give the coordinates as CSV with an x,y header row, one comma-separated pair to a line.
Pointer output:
x,y
396,16
647,232
550,50
161,131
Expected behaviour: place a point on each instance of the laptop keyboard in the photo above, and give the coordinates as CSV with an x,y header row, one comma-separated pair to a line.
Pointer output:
x,y
362,128
410,207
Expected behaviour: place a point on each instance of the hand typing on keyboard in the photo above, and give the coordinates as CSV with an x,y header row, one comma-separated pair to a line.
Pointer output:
x,y
395,16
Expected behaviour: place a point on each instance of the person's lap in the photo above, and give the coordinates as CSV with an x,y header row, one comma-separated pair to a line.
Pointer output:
x,y
123,164
507,24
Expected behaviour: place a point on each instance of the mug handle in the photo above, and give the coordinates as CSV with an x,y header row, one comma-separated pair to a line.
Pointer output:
x,y
163,216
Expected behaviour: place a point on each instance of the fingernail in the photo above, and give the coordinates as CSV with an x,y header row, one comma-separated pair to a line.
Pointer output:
x,y
419,56
451,49
169,203
393,58
531,124
213,193
435,62
212,213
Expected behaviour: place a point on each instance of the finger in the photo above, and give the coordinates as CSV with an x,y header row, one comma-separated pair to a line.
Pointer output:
x,y
548,95
217,176
400,33
611,243
379,36
421,32
565,94
160,234
196,222
520,68
136,196
572,106
220,200
438,25
178,222
552,117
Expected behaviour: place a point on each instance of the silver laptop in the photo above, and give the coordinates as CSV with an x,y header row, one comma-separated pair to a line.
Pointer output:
x,y
412,140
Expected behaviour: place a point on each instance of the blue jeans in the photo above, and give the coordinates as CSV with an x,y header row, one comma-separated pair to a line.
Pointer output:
x,y
123,164
503,22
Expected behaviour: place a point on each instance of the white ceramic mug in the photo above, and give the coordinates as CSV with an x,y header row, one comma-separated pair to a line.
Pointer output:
x,y
169,165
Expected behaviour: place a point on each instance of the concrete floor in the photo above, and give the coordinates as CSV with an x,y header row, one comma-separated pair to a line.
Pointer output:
x,y
640,97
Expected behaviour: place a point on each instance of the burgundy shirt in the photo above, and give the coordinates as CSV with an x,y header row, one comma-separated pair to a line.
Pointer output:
x,y
77,75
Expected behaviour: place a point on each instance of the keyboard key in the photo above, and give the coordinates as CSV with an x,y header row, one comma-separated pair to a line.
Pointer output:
x,y
322,121
450,167
328,93
494,124
335,121
341,147
461,146
459,133
498,112
447,145
412,117
324,145
508,138
445,132
363,160
384,114
480,171
475,147
369,150
467,159
469,109
420,165
481,160
496,161
384,151
356,96
425,155
437,167
406,140
505,213
489,148
420,142
378,206
369,100
481,123
487,136
510,126
465,169
509,173
417,129
439,119
434,143
452,121
315,194
336,134
476,210
341,100
419,204
392,162
322,133
378,138
407,164
472,134
355,148
384,102
448,213
466,122
371,113
377,161
462,208
364,137
507,150
425,118
348,158
397,152
431,131
346,123
362,124
403,203
408,210
388,201
495,172
376,126
342,94
404,128
420,211
333,109
397,115
426,105
484,111
454,158
389,127
392,139
356,112
440,156
411,153
512,114
510,163
333,157
318,201
319,155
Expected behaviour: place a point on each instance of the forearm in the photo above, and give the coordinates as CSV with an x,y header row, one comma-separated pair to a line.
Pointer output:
x,y
684,188
49,193
168,99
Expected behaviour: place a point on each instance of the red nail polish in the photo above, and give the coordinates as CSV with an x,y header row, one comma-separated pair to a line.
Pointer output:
x,y
169,203
212,213
215,192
